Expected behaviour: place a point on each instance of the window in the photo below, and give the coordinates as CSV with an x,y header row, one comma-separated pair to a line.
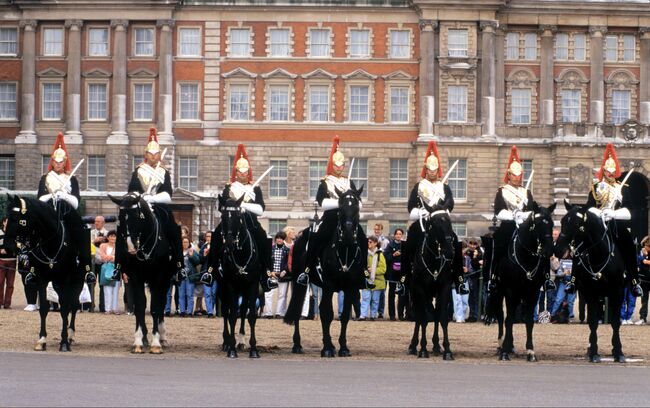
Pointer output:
x,y
188,101
398,178
458,179
570,105
611,48
143,102
579,47
520,106
279,103
319,106
8,41
7,172
238,103
457,104
275,226
45,163
620,106
144,42
359,175
240,42
395,224
527,166
561,46
8,101
457,43
359,43
51,101
97,102
319,43
280,45
98,42
135,161
400,44
629,46
530,46
512,46
317,169
189,42
188,173
399,104
53,41
278,179
460,229
97,173
359,104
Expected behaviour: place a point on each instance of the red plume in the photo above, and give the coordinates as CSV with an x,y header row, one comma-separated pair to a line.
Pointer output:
x,y
609,151
330,162
153,135
514,156
60,143
431,149
241,152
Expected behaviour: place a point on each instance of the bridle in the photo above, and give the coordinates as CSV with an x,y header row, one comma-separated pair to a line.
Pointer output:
x,y
582,255
239,242
436,251
517,243
140,244
346,263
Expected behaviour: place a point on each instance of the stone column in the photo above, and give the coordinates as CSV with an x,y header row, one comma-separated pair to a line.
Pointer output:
x,y
428,72
488,76
644,94
500,81
73,89
547,108
597,89
27,134
165,84
118,116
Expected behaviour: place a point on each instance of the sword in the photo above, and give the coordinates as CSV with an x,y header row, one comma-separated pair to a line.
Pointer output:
x,y
619,189
437,197
530,179
251,194
351,166
65,185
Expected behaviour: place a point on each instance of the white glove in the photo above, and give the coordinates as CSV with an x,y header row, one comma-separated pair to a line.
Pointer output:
x,y
607,214
416,213
622,214
521,216
330,204
45,197
253,208
598,213
69,198
160,198
505,215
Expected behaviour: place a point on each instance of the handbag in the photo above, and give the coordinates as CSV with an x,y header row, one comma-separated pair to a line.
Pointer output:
x,y
84,296
106,275
51,294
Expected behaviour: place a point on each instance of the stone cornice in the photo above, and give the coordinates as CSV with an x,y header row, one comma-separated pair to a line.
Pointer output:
x,y
547,29
74,25
163,23
119,23
428,25
28,25
597,30
489,26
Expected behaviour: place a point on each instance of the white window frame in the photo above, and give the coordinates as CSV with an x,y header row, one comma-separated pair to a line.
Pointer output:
x,y
43,101
406,107
562,46
316,171
44,32
527,167
582,55
136,42
460,229
359,175
458,179
273,108
611,48
351,102
460,116
279,45
629,53
310,105
519,108
134,102
97,177
188,173
180,52
457,42
234,50
89,84
567,109
398,179
229,101
327,54
8,43
356,45
9,101
180,102
392,48
8,171
90,51
512,46
276,225
530,46
618,116
279,179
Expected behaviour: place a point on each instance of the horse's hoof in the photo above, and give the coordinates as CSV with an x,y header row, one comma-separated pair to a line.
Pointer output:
x,y
156,350
531,358
344,353
224,347
297,350
620,358
137,350
145,342
64,347
504,356
412,351
594,358
448,356
40,347
423,354
164,343
328,353
436,350
254,353
232,353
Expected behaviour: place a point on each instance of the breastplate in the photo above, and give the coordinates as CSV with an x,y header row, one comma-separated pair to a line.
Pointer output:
x,y
429,191
334,183
150,178
55,182
238,189
514,196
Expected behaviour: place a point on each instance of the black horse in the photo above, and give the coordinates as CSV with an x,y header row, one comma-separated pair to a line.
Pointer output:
x,y
36,231
235,263
143,251
432,276
342,267
598,269
523,272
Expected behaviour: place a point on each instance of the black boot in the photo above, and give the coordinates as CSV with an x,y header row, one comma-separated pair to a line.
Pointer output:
x,y
461,286
570,287
206,278
636,289
549,284
30,277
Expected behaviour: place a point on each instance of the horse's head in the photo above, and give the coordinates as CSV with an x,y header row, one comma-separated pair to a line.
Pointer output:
x,y
540,225
349,204
136,220
20,223
438,228
574,227
232,221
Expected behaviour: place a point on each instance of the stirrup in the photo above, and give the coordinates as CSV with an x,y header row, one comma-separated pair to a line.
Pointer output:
x,y
90,277
492,286
30,278
370,284
400,289
303,279
570,287
206,278
637,291
549,285
462,289
271,283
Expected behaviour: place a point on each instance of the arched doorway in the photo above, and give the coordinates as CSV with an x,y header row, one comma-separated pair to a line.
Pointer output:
x,y
636,196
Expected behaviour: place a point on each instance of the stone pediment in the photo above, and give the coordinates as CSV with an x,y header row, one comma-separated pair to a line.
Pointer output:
x,y
239,73
319,74
97,73
51,73
360,74
142,73
399,76
279,73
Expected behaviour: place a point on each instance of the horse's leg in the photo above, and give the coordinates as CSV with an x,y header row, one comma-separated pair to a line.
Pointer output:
x,y
139,310
44,308
508,344
413,346
345,319
252,319
614,308
423,353
231,347
73,317
500,324
65,303
327,315
592,310
528,309
241,336
297,347
442,313
158,300
435,339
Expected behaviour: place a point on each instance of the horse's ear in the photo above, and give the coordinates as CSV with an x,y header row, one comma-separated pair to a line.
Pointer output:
x,y
360,191
568,205
552,207
116,200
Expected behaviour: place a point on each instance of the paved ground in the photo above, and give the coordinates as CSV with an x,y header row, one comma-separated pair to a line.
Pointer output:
x,y
31,379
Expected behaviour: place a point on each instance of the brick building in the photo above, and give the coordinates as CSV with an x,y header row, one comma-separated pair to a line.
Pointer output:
x,y
558,78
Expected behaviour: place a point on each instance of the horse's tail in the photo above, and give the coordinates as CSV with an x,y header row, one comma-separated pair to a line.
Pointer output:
x,y
493,307
298,291
294,310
